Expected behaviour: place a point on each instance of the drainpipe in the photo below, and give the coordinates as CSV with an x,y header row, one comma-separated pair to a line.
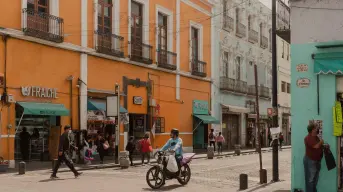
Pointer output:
x,y
70,79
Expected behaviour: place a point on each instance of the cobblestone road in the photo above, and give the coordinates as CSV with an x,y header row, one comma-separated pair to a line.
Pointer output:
x,y
215,175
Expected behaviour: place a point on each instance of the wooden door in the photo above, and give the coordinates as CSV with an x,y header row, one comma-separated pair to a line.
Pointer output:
x,y
38,15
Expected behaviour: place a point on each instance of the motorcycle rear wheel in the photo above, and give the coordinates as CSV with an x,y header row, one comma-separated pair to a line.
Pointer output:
x,y
185,175
158,178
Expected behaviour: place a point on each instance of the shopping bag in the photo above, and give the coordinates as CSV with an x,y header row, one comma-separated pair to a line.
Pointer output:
x,y
106,145
172,164
329,158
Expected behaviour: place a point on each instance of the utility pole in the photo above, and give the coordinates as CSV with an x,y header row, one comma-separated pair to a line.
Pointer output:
x,y
274,97
117,131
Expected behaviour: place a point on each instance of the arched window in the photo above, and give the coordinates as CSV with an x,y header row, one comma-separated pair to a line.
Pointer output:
x,y
237,15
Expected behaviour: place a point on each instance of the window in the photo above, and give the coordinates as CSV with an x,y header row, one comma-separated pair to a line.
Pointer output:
x,y
162,31
226,64
288,88
136,28
237,16
287,49
249,22
38,5
105,16
159,125
261,32
283,87
195,43
238,68
283,50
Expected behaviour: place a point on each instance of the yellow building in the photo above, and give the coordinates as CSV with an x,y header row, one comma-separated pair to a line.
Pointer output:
x,y
59,57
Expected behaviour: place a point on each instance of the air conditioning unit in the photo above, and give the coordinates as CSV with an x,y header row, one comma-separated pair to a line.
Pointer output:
x,y
152,103
10,98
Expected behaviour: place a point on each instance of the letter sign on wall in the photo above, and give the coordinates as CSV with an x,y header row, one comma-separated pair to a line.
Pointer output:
x,y
303,82
302,68
40,92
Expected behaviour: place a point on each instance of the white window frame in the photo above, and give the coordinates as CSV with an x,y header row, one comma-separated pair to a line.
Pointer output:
x,y
146,9
170,29
54,9
115,20
201,34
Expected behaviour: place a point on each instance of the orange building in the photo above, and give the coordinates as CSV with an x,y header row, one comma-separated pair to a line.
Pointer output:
x,y
60,59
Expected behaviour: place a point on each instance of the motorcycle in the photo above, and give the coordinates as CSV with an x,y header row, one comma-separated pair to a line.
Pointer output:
x,y
158,174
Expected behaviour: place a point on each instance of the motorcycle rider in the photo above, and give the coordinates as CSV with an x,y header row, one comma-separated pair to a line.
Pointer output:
x,y
175,144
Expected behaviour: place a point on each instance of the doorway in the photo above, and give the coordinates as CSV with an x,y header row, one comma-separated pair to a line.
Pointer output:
x,y
231,133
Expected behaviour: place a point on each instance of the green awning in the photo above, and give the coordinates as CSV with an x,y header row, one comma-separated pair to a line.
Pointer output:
x,y
51,109
95,105
328,63
207,119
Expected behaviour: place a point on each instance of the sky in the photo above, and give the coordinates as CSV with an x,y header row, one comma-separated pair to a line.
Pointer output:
x,y
268,3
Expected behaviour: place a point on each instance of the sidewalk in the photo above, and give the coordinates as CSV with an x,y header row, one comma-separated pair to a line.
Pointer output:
x,y
281,186
107,164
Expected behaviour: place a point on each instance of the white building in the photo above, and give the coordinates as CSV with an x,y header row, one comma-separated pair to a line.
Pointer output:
x,y
242,39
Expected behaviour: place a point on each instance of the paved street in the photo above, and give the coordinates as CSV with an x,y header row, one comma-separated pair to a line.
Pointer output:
x,y
215,175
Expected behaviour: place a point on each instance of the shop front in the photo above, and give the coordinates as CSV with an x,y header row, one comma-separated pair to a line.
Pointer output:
x,y
316,92
201,121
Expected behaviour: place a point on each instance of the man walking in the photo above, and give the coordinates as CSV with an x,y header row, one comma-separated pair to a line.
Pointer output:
x,y
313,156
212,139
63,153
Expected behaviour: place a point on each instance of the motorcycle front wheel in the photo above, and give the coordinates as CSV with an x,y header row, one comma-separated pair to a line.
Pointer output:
x,y
155,177
185,175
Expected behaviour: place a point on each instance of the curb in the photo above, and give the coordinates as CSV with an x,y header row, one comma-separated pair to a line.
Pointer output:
x,y
153,161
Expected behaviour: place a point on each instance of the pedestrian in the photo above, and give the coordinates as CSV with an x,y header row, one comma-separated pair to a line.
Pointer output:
x,y
312,158
100,147
63,154
130,147
145,148
220,140
212,139
281,139
24,144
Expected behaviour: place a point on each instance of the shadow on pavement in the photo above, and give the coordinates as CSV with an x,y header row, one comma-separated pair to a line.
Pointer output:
x,y
263,186
166,188
49,180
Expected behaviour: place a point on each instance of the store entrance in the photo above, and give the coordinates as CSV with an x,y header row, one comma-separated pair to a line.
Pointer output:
x,y
137,129
36,137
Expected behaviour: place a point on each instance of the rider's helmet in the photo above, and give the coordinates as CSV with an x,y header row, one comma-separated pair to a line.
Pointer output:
x,y
175,132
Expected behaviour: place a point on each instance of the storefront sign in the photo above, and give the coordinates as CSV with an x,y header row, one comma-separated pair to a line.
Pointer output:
x,y
303,82
137,100
40,92
302,68
200,107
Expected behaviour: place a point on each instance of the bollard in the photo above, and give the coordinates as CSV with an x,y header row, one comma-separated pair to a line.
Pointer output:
x,y
123,160
243,181
210,152
263,176
238,150
22,168
54,162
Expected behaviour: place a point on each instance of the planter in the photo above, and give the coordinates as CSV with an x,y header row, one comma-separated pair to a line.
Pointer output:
x,y
3,168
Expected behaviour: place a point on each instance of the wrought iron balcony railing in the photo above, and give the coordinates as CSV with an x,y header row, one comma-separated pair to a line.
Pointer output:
x,y
43,25
198,68
166,59
253,36
228,23
109,44
141,52
229,84
241,30
264,92
251,90
264,42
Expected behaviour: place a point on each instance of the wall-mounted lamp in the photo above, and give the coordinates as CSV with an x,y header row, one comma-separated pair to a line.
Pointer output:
x,y
79,82
70,78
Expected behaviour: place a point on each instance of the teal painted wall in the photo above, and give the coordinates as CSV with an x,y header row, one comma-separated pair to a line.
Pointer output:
x,y
199,133
304,108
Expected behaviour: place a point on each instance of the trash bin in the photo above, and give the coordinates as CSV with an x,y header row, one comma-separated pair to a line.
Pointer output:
x,y
22,168
238,149
210,152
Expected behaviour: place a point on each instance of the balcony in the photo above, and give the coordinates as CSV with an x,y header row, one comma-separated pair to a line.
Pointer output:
x,y
264,42
228,23
251,90
241,30
42,25
229,84
109,44
264,92
141,52
253,36
166,59
198,68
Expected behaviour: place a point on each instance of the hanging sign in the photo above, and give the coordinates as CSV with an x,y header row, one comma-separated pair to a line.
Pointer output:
x,y
303,82
40,92
137,100
302,68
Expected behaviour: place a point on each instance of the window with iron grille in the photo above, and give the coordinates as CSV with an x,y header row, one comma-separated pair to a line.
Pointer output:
x,y
136,28
162,31
159,124
226,64
105,16
249,22
283,86
38,5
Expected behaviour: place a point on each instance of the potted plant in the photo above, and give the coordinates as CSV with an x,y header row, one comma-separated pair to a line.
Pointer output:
x,y
3,165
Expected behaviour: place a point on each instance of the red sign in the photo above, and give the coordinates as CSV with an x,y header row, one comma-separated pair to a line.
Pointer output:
x,y
270,111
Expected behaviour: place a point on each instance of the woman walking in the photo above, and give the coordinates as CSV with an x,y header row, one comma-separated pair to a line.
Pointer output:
x,y
130,147
220,140
100,147
145,148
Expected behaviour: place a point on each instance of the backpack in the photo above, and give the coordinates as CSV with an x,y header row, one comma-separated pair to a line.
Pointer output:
x,y
211,136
